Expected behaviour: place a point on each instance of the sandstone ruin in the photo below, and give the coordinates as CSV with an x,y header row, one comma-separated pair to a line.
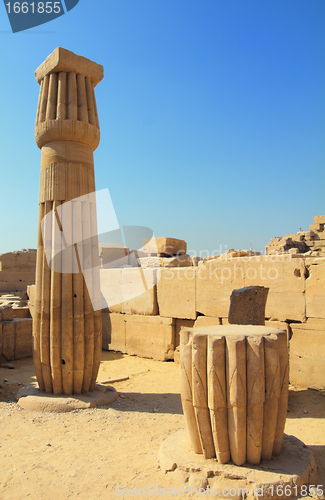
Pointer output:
x,y
67,329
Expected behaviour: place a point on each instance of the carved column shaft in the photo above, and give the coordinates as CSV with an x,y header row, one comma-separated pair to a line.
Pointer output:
x,y
67,329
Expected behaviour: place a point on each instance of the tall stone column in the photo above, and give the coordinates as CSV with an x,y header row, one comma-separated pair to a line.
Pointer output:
x,y
67,329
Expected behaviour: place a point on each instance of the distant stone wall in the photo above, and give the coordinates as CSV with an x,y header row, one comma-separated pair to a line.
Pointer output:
x,y
17,271
149,324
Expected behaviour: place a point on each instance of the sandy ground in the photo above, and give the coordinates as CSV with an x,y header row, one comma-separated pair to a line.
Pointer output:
x,y
93,454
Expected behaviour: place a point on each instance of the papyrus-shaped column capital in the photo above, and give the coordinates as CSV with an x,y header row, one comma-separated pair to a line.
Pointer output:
x,y
67,108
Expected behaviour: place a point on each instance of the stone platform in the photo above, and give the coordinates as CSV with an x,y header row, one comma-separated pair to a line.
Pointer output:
x,y
32,399
279,478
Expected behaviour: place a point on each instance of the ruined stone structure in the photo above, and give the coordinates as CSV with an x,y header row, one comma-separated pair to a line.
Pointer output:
x,y
16,340
311,242
17,271
234,388
67,329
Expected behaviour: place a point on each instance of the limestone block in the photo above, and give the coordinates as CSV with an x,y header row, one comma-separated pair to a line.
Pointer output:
x,y
315,288
7,313
176,293
215,283
21,312
24,338
319,219
8,340
64,60
180,325
285,277
106,329
182,260
150,336
0,340
177,355
247,306
169,246
282,325
140,291
111,289
206,321
316,227
113,256
307,363
31,290
114,331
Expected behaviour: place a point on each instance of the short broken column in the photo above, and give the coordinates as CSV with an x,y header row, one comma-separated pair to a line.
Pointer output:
x,y
67,326
234,390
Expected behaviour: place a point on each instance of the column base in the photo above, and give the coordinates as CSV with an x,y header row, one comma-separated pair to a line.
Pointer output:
x,y
32,399
279,478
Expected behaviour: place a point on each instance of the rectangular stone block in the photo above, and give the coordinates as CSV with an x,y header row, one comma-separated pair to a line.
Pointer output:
x,y
176,292
31,291
307,362
169,246
24,338
315,288
115,256
21,312
182,260
150,336
285,277
114,331
215,283
207,321
7,313
319,219
140,291
180,325
0,340
8,340
111,289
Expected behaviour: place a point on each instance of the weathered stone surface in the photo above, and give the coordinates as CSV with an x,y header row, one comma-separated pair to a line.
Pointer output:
x,y
239,378
130,290
24,338
64,60
284,277
179,326
315,288
114,331
168,246
17,270
176,293
307,347
8,340
111,289
7,313
67,319
21,312
293,468
140,291
182,260
247,306
206,321
31,399
31,289
215,283
150,336
113,256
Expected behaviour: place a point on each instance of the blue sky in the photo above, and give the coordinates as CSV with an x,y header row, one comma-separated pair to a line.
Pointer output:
x,y
212,116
